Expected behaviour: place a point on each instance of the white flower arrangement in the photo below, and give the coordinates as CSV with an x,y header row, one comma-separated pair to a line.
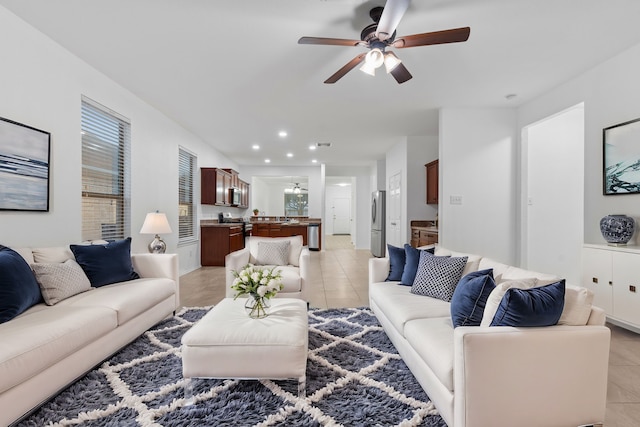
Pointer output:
x,y
257,282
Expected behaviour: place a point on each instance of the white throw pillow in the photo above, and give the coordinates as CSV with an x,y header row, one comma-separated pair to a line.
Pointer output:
x,y
59,281
577,306
273,253
496,295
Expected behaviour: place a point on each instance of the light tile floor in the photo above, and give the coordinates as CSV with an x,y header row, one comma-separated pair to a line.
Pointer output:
x,y
339,275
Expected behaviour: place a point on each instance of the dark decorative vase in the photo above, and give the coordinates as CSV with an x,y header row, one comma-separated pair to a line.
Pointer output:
x,y
617,229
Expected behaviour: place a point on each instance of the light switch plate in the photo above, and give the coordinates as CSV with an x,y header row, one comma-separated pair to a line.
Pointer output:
x,y
455,200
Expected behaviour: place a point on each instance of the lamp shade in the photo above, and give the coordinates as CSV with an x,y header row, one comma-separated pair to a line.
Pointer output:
x,y
155,223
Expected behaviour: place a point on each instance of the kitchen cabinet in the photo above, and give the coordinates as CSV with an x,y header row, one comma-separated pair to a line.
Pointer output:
x,y
218,241
432,182
612,274
215,184
421,237
276,229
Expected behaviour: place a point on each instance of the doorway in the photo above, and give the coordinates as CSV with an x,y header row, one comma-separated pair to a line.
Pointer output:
x,y
553,194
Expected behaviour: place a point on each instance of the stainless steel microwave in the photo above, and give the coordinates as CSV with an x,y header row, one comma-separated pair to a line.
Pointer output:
x,y
235,195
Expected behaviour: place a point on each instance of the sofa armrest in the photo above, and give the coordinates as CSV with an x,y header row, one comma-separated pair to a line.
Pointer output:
x,y
378,269
234,261
549,376
158,266
305,275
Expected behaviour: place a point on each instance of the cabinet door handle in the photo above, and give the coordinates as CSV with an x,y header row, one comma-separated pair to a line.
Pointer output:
x,y
594,279
610,283
632,288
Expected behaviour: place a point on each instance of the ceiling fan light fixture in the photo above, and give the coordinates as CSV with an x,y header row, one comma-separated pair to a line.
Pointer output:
x,y
391,61
368,69
374,58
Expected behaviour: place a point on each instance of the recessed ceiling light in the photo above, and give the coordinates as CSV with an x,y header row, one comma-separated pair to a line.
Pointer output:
x,y
267,160
343,184
312,147
255,146
282,134
314,161
289,154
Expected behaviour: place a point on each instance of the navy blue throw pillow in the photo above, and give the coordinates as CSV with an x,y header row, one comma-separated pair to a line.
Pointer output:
x,y
412,259
470,298
541,306
19,289
106,264
396,263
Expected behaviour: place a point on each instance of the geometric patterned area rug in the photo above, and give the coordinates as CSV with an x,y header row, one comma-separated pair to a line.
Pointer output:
x,y
355,377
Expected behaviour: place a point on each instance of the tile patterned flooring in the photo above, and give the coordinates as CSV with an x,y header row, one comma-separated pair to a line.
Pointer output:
x,y
339,275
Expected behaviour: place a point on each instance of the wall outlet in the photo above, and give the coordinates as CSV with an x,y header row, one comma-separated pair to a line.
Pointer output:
x,y
455,200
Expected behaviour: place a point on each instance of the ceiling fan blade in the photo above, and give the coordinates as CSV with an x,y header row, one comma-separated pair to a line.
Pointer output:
x,y
391,15
346,68
401,74
454,35
329,41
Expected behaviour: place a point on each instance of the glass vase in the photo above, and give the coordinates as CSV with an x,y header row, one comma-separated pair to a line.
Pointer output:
x,y
257,307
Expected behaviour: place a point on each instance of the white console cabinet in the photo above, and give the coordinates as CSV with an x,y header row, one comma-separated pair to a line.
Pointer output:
x,y
613,274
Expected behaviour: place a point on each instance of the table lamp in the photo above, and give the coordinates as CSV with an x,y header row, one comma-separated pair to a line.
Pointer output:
x,y
156,223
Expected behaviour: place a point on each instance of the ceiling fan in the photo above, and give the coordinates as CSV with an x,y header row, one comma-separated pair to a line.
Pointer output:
x,y
380,35
296,189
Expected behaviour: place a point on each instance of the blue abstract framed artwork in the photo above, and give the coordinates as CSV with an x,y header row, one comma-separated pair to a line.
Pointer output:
x,y
24,167
621,158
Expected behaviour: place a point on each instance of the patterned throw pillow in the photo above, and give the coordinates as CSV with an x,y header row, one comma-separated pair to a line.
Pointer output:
x,y
273,253
437,277
60,280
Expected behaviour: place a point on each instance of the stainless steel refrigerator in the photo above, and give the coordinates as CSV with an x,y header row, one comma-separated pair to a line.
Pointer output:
x,y
378,248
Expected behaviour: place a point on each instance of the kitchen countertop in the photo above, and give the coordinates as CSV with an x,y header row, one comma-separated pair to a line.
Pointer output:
x,y
429,229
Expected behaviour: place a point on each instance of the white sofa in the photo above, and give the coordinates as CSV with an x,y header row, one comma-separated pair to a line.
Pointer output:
x,y
495,376
46,348
295,274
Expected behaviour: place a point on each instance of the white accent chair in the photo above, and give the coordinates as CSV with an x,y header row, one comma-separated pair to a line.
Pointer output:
x,y
295,275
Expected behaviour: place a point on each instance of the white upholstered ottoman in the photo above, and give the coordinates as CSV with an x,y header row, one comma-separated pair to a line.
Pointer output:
x,y
227,343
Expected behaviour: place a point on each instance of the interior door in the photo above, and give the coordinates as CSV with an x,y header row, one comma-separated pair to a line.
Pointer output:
x,y
341,211
394,205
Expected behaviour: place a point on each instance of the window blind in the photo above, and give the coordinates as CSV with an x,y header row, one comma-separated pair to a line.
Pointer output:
x,y
106,139
186,217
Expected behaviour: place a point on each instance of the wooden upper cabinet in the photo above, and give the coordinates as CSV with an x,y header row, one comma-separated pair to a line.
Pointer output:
x,y
214,185
432,182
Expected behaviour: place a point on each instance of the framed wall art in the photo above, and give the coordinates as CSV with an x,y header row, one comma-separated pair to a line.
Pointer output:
x,y
24,167
621,158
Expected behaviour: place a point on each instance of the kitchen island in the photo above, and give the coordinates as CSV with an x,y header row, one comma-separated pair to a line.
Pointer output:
x,y
273,226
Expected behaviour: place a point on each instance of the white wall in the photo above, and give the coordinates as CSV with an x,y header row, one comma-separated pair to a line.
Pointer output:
x,y
610,95
477,163
41,86
553,150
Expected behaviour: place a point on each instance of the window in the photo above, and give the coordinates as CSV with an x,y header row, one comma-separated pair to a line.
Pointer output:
x,y
186,169
296,204
106,138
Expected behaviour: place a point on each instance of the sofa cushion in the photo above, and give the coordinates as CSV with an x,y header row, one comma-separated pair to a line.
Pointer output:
x,y
470,298
273,253
60,280
497,267
18,287
53,254
412,260
401,306
577,306
397,259
540,306
40,338
291,280
437,277
127,299
106,264
495,297
432,339
516,273
295,248
473,261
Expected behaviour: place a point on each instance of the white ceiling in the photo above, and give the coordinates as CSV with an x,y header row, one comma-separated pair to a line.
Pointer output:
x,y
231,71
